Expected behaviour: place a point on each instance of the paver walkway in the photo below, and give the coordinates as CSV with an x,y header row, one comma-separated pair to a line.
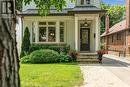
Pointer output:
x,y
111,73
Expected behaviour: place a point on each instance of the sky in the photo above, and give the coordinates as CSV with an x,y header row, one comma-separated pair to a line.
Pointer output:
x,y
115,2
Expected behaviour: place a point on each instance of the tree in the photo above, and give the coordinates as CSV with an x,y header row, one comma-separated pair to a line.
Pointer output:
x,y
9,61
116,14
25,43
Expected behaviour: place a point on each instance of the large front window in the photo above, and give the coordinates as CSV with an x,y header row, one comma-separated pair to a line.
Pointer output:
x,y
48,32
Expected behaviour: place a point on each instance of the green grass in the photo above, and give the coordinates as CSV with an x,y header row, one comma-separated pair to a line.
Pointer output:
x,y
50,75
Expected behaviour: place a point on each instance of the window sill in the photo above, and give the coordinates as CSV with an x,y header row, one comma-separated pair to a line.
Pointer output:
x,y
48,43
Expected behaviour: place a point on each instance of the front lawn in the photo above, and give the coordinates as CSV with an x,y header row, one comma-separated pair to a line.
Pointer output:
x,y
50,75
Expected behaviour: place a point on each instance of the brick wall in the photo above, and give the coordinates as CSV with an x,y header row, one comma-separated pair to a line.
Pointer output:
x,y
127,43
116,47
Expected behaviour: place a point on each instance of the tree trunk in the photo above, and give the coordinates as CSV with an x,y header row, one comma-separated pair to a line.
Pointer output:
x,y
9,62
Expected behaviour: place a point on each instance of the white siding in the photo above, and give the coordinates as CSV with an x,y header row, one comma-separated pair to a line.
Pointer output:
x,y
70,27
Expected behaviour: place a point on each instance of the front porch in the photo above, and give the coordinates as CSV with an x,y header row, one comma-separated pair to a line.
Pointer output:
x,y
80,31
87,33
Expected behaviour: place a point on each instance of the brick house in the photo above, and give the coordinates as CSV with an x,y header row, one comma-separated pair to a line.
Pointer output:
x,y
117,38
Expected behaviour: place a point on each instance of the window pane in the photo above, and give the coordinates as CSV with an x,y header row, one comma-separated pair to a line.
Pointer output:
x,y
61,34
61,23
82,2
88,1
42,34
42,23
118,36
51,34
51,23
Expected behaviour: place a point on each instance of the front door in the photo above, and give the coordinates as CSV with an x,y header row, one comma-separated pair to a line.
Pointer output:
x,y
84,39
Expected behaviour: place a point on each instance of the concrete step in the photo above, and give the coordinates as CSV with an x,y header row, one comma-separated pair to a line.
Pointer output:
x,y
88,58
88,62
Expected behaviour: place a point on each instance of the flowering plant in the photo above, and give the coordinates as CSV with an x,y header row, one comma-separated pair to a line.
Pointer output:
x,y
101,52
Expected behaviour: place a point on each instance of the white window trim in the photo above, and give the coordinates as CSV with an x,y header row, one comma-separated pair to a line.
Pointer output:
x,y
57,32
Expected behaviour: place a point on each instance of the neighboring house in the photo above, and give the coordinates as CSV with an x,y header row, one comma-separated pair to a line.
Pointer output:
x,y
117,38
78,25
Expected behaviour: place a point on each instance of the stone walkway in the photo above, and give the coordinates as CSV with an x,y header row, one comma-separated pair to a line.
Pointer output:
x,y
111,73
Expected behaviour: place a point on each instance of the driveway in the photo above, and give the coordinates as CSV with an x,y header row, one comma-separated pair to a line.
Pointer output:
x,y
111,73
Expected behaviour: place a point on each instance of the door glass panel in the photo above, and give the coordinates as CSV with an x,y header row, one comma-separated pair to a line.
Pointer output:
x,y
85,36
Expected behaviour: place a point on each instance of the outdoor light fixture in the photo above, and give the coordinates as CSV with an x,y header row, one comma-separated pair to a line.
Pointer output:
x,y
85,23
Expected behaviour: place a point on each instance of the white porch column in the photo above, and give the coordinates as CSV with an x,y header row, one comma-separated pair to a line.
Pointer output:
x,y
31,30
57,31
97,39
76,33
36,32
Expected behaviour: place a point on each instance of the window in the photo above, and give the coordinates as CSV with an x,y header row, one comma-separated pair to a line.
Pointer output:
x,y
7,7
112,38
61,31
118,36
87,1
47,31
82,2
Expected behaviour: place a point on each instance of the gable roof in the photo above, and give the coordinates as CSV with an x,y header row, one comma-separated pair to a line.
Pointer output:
x,y
116,28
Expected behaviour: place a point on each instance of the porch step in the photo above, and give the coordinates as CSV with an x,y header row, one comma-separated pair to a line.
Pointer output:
x,y
88,58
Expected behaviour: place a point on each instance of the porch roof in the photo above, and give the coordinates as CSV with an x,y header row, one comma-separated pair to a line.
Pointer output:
x,y
66,11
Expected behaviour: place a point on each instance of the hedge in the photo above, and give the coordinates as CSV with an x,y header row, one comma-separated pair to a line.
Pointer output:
x,y
59,48
46,56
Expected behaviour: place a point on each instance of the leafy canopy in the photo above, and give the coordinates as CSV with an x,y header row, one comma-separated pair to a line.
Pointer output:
x,y
115,12
44,6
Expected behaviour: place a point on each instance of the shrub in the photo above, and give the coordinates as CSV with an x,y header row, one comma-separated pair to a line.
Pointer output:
x,y
45,56
59,48
25,59
65,58
25,43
